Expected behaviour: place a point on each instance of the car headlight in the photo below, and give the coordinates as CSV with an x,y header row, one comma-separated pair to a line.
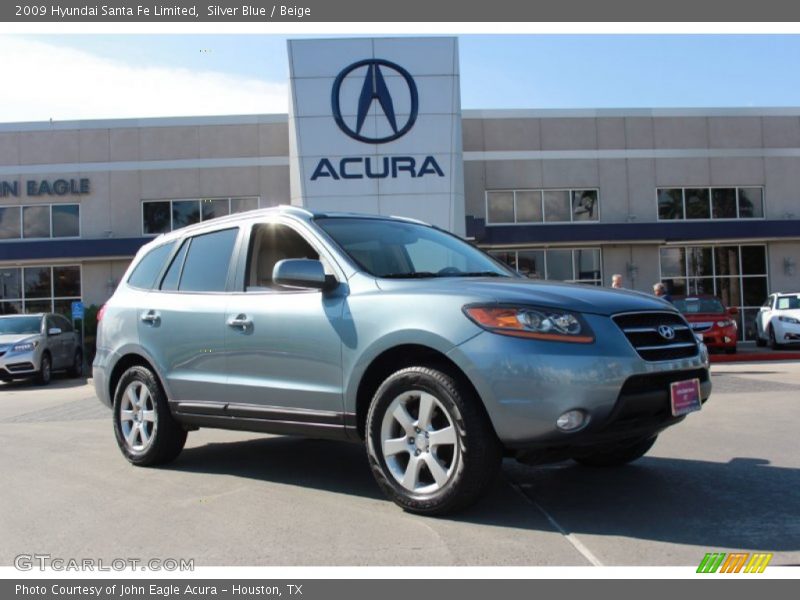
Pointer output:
x,y
789,320
726,323
529,322
25,347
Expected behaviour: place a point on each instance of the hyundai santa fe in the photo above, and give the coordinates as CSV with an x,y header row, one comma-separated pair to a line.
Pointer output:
x,y
390,332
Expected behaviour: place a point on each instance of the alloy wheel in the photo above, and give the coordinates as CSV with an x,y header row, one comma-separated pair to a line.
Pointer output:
x,y
137,417
419,442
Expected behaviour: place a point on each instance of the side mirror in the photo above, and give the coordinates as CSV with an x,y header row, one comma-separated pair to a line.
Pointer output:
x,y
733,311
301,273
54,331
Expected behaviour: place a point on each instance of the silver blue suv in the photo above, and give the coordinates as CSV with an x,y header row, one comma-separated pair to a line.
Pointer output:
x,y
391,332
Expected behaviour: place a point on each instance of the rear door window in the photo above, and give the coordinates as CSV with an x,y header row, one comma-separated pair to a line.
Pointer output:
x,y
207,262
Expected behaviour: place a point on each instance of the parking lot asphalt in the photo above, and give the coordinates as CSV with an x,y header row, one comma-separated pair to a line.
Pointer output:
x,y
727,478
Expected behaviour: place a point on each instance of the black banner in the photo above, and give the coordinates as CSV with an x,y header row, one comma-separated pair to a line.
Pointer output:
x,y
337,11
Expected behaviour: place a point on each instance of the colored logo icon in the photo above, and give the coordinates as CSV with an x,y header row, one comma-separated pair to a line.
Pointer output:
x,y
735,562
374,90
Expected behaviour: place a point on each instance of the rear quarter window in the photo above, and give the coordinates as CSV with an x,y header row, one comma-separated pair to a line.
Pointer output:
x,y
144,274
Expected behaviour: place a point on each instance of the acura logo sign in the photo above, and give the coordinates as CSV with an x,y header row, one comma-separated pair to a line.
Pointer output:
x,y
374,90
666,332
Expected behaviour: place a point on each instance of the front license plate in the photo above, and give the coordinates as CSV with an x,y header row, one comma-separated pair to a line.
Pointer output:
x,y
685,396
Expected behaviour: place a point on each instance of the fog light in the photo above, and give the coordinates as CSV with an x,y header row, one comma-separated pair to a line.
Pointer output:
x,y
572,420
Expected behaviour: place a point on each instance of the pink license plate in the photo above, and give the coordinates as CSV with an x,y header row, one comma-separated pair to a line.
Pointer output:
x,y
685,396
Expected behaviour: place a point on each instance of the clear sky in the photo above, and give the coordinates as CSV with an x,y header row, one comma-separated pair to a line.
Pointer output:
x,y
106,76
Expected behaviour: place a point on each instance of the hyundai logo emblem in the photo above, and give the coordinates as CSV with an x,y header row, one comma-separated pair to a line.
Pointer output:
x,y
374,88
666,332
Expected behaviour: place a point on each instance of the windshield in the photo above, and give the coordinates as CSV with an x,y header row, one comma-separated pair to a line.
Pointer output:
x,y
788,302
20,325
690,306
398,249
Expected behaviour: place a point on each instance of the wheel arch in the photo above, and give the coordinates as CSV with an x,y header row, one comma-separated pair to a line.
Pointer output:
x,y
394,359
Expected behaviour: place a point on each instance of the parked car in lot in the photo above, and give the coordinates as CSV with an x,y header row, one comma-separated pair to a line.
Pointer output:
x,y
709,318
33,346
390,332
778,320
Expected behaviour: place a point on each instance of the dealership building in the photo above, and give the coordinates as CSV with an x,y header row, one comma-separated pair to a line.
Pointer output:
x,y
705,200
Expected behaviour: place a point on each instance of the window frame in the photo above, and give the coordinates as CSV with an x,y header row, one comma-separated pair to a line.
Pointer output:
x,y
49,206
545,250
23,300
198,200
710,189
570,191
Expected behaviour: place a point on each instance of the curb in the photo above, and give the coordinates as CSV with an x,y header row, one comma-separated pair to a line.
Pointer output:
x,y
754,357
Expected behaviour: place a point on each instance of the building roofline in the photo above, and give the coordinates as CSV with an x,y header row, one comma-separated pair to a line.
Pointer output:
x,y
502,113
555,113
144,122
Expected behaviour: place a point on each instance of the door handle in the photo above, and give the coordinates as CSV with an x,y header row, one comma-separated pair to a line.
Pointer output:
x,y
242,322
151,317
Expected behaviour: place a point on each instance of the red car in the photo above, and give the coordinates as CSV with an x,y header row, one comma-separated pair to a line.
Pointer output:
x,y
708,317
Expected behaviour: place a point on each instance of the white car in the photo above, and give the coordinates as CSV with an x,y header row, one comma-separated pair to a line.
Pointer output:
x,y
778,320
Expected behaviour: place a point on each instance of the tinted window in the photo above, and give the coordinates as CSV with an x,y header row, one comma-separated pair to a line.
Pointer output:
x,y
206,266
66,219
145,273
61,322
173,275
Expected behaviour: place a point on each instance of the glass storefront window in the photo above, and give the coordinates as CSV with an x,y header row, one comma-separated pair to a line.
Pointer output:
x,y
39,289
584,205
587,264
673,262
156,217
10,284
556,205
559,265
185,212
10,223
37,282
243,204
36,221
697,204
723,203
670,204
529,207
737,275
531,263
500,207
211,208
710,203
66,220
66,281
161,216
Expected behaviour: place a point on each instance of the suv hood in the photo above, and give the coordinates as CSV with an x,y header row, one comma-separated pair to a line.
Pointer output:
x,y
569,296
15,338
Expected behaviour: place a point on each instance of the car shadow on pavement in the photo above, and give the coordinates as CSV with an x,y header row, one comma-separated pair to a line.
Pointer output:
x,y
59,381
744,503
334,466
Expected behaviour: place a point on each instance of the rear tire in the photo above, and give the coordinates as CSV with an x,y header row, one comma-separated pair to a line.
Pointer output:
x,y
146,432
430,444
618,454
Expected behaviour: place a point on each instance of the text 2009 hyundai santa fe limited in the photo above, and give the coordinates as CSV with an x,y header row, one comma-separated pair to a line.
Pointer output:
x,y
390,331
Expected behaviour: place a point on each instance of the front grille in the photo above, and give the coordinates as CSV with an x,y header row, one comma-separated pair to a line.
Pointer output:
x,y
701,327
642,331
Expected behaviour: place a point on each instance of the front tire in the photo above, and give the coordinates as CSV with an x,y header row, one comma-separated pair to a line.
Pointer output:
x,y
618,454
430,444
773,342
145,430
45,370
